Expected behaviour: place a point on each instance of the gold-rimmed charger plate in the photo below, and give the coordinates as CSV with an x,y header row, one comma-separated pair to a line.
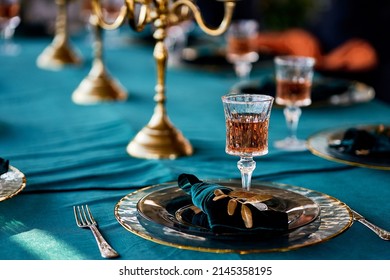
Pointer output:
x,y
319,142
150,214
11,183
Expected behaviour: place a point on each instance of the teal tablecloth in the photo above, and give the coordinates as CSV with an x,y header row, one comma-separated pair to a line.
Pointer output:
x,y
74,154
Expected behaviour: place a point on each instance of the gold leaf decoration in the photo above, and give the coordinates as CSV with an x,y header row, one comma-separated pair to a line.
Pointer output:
x,y
219,195
232,205
218,192
243,197
246,215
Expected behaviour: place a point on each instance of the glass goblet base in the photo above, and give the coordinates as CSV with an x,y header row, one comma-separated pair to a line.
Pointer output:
x,y
9,49
291,144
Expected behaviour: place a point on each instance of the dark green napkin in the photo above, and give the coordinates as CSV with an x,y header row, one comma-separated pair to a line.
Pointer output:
x,y
362,142
214,201
4,166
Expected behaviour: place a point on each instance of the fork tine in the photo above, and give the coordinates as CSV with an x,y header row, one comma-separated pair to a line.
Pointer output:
x,y
90,215
76,216
84,215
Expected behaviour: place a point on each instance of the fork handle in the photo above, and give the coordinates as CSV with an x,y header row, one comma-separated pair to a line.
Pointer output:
x,y
384,234
105,249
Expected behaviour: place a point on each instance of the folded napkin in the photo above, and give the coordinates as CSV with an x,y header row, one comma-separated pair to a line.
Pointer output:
x,y
4,166
361,142
228,211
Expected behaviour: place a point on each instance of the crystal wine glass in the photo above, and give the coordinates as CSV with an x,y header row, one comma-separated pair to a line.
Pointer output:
x,y
110,9
247,119
294,76
176,41
9,20
241,46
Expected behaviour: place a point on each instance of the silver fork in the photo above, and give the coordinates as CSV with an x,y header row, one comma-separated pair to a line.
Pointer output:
x,y
84,219
384,234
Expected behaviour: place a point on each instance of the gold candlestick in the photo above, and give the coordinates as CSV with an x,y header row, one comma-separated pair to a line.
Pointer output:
x,y
98,86
59,53
159,138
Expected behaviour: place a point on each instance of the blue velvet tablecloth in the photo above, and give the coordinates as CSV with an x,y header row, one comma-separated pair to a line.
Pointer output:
x,y
73,154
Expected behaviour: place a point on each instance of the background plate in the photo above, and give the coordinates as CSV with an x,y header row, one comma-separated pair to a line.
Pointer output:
x,y
325,91
11,183
318,144
334,218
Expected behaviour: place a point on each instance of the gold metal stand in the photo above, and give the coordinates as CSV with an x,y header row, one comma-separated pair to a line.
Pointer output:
x,y
59,53
159,138
98,86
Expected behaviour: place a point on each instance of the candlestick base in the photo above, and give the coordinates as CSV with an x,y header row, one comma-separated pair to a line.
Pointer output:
x,y
159,142
98,88
56,56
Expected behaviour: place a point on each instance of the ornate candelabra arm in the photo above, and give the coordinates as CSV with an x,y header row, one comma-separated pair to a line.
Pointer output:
x,y
229,8
159,138
97,10
139,22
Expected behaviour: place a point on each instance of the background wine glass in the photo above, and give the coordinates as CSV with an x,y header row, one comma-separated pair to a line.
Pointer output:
x,y
247,120
9,20
294,76
177,40
114,38
241,46
110,9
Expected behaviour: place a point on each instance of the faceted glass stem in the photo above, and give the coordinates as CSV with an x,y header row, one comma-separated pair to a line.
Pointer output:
x,y
292,115
246,165
243,69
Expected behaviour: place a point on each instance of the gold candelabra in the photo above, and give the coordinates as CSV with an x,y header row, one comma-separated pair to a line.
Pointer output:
x,y
59,53
159,138
98,86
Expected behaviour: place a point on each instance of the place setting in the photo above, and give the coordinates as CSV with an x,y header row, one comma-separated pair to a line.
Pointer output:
x,y
326,91
238,50
236,216
363,145
243,216
12,180
294,85
294,217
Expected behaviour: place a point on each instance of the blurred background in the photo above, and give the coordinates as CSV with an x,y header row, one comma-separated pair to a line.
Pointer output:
x,y
330,24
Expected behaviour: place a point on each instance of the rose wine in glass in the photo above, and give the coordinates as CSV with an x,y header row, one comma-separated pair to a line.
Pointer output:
x,y
241,46
9,20
247,120
240,138
294,76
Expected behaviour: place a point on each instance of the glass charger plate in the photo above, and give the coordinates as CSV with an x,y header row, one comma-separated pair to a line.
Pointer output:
x,y
318,144
11,183
150,213
325,91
